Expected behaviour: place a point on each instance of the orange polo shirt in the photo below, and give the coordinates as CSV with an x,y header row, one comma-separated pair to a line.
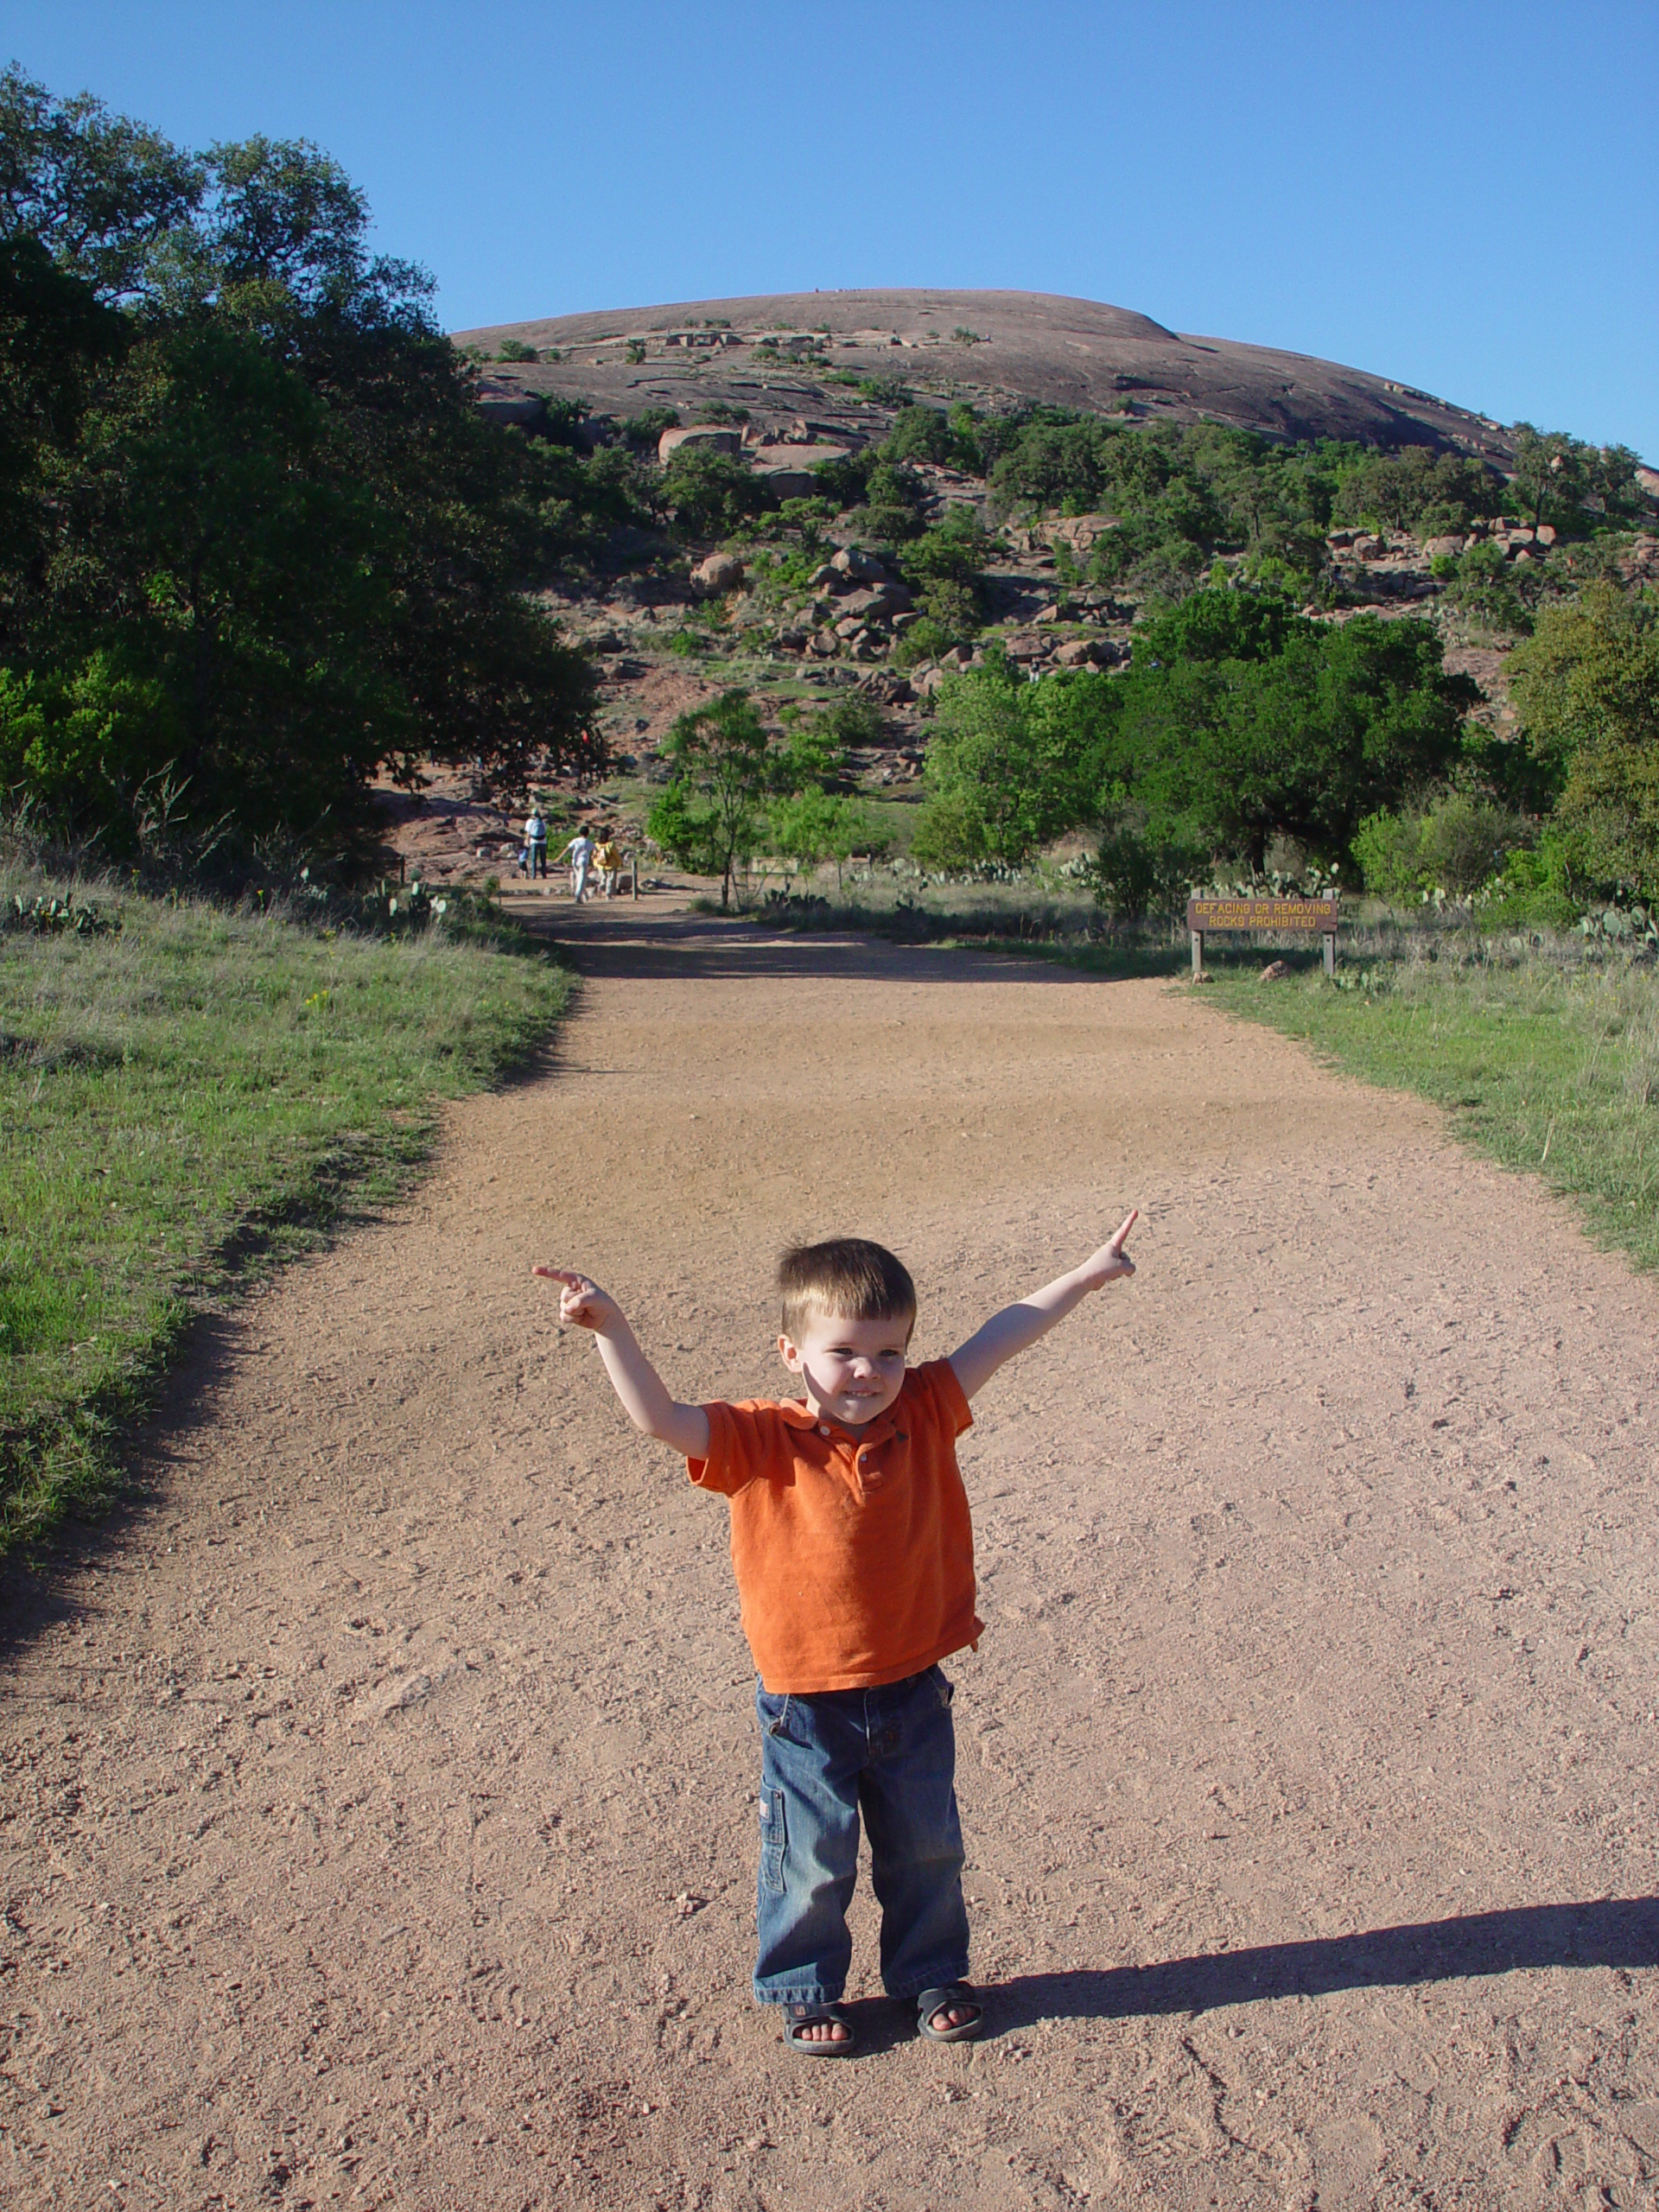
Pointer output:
x,y
852,1547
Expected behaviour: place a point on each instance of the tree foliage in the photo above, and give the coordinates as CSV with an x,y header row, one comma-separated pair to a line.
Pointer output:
x,y
1586,686
1238,724
711,816
256,540
1417,489
1008,767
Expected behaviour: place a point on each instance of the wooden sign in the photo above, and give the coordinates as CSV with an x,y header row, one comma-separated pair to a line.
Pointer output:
x,y
1308,915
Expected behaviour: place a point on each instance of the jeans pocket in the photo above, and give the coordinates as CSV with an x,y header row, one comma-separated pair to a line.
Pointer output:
x,y
947,1689
774,1714
773,1839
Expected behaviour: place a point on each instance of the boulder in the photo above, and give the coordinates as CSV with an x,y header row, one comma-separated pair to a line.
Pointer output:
x,y
528,409
850,625
881,603
788,483
1025,645
1545,533
720,573
892,691
1078,652
1080,532
863,566
794,453
710,437
1444,549
857,603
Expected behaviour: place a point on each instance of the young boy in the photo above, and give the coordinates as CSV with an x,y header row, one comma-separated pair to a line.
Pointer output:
x,y
854,1561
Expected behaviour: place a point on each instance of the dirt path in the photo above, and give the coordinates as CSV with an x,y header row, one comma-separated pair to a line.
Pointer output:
x,y
378,1807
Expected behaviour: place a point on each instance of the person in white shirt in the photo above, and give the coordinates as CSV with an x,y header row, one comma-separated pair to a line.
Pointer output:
x,y
580,850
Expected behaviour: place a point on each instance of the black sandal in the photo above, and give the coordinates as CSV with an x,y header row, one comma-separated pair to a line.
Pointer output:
x,y
797,2017
955,1996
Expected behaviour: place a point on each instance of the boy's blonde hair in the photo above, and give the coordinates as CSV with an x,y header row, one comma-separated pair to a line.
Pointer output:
x,y
846,1275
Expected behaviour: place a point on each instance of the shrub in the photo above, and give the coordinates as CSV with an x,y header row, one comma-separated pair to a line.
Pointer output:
x,y
1485,589
919,434
885,391
1134,877
643,430
892,512
1386,848
711,492
1457,844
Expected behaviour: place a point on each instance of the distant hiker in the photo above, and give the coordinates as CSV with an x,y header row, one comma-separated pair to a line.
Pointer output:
x,y
609,860
855,1560
536,843
580,850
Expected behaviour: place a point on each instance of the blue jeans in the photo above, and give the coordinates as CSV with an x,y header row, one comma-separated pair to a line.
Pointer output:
x,y
890,1753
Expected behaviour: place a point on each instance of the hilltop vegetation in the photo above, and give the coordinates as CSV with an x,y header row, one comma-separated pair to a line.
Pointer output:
x,y
1243,664
259,544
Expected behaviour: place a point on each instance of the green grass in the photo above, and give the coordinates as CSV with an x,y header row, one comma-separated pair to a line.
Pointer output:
x,y
1549,1066
204,1090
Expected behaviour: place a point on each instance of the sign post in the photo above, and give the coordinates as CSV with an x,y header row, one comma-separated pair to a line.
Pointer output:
x,y
1306,917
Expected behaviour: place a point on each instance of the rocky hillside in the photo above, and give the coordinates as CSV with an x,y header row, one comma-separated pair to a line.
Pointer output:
x,y
813,601
796,356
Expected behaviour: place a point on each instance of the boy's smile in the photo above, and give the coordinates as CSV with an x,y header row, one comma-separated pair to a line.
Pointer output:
x,y
853,1370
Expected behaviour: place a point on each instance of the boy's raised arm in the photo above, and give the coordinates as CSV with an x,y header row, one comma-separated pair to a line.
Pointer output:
x,y
635,1380
1016,1326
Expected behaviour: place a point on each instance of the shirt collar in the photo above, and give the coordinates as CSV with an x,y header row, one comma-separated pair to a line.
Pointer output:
x,y
799,1415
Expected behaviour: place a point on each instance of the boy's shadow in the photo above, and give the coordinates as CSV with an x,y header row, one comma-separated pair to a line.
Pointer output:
x,y
1622,1932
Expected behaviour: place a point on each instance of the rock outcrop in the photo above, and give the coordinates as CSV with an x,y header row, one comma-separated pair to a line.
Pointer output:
x,y
796,360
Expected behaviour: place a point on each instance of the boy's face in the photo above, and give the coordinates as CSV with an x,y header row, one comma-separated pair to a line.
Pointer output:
x,y
853,1370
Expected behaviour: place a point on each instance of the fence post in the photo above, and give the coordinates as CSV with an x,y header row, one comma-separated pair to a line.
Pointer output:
x,y
1198,954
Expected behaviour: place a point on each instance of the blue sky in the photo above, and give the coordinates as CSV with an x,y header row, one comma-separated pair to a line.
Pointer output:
x,y
1460,195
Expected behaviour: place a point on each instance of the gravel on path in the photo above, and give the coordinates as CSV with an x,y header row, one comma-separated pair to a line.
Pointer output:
x,y
378,1822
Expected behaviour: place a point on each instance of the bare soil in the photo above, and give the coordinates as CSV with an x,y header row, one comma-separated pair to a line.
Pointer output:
x,y
378,1813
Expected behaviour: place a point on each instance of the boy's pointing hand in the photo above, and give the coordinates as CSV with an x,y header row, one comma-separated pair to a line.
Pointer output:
x,y
580,1301
1112,1262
